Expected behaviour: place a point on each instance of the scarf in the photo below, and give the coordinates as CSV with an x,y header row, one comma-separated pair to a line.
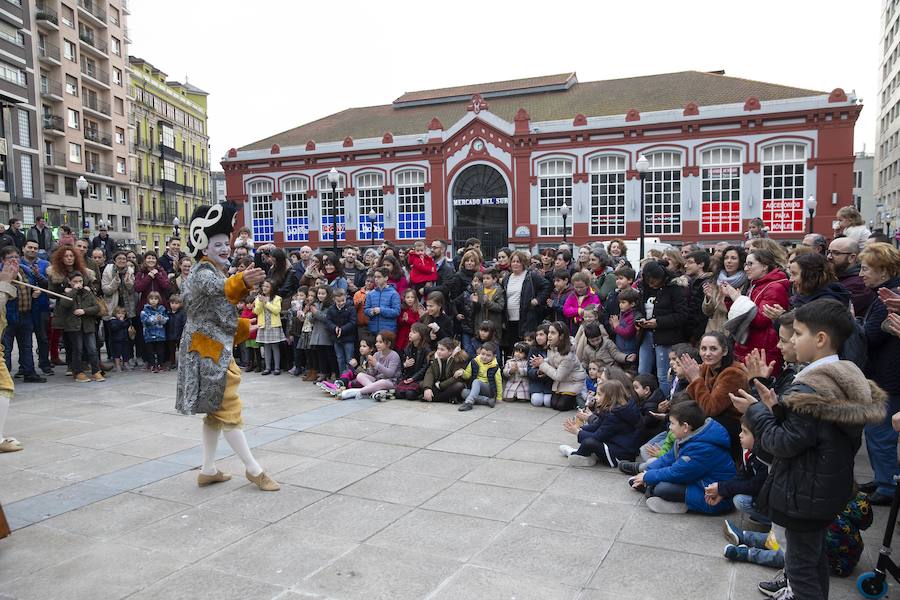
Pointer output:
x,y
330,276
737,281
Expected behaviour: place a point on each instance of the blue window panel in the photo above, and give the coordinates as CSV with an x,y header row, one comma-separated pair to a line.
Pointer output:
x,y
365,229
411,226
264,230
327,227
297,229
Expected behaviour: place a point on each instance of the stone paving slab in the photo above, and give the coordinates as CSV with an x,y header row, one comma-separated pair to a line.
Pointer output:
x,y
394,500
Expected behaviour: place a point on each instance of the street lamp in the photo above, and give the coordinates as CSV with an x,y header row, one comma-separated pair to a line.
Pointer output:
x,y
811,207
82,185
176,226
372,216
643,166
565,215
333,179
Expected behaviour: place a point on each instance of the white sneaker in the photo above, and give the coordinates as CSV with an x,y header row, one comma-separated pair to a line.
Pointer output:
x,y
577,460
350,394
566,450
658,505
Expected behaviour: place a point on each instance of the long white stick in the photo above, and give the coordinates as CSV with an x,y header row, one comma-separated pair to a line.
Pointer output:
x,y
34,287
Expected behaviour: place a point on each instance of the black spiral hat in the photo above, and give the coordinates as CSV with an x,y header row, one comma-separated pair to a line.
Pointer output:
x,y
207,221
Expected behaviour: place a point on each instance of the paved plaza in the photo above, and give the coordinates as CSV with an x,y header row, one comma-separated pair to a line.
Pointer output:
x,y
390,501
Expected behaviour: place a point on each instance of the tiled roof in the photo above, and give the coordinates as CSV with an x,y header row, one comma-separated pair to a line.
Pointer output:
x,y
593,99
487,88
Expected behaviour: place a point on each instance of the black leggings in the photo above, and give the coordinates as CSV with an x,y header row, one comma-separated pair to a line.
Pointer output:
x,y
156,352
452,393
594,446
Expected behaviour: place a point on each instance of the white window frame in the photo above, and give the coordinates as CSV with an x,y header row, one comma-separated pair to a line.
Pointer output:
x,y
783,168
607,195
296,209
370,196
120,165
662,193
410,188
73,119
24,120
262,215
74,152
27,175
554,190
325,214
720,191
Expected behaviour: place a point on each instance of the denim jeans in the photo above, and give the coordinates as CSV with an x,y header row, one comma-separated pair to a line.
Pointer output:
x,y
881,443
806,564
344,351
656,440
21,331
82,344
646,355
468,344
478,391
41,322
746,505
662,368
672,492
758,554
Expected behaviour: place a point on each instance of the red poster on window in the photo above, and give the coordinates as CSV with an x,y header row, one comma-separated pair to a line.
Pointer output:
x,y
783,216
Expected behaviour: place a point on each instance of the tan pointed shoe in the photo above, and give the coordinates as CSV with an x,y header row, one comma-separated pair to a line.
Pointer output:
x,y
263,482
205,480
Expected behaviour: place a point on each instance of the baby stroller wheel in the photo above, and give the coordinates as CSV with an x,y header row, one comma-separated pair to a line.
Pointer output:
x,y
871,585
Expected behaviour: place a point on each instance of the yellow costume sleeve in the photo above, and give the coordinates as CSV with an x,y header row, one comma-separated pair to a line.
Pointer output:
x,y
235,288
243,331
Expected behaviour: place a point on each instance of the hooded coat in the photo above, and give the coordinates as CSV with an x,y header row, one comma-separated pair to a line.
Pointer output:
x,y
814,442
670,309
618,428
700,459
772,288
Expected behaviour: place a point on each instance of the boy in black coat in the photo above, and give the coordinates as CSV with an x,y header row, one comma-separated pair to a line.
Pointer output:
x,y
813,438
340,319
174,327
751,476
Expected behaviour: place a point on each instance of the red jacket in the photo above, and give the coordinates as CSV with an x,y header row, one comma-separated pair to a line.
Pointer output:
x,y
403,327
421,269
144,284
765,291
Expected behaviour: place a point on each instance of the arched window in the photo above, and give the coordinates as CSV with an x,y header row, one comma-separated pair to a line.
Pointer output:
x,y
261,215
326,207
410,186
370,196
784,186
555,185
296,210
720,198
662,193
608,195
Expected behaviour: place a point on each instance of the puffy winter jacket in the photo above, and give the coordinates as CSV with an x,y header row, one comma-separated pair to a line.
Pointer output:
x,y
884,348
670,310
154,322
343,317
697,461
833,290
770,289
619,429
387,300
565,371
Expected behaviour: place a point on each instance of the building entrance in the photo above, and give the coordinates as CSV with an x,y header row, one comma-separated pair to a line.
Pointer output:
x,y
481,209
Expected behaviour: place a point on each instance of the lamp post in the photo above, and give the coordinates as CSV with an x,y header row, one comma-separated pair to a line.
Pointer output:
x,y
333,179
811,208
372,216
643,166
82,185
176,226
564,211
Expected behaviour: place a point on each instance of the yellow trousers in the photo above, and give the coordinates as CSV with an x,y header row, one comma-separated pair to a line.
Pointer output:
x,y
229,414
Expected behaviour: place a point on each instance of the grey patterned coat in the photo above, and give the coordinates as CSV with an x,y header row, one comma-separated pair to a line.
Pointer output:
x,y
211,330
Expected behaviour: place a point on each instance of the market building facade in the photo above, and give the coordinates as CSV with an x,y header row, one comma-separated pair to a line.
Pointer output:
x,y
500,162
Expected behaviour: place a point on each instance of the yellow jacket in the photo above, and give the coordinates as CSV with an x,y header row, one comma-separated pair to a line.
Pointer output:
x,y
273,307
488,373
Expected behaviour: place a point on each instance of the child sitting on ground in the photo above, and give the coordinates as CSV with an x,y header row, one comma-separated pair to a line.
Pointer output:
x,y
539,385
744,488
591,382
592,344
414,363
440,381
649,397
612,435
701,455
483,372
516,371
347,379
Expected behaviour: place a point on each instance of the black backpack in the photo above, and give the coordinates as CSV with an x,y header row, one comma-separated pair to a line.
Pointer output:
x,y
856,347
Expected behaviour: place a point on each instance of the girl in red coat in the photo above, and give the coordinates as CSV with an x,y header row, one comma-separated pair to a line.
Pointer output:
x,y
410,312
422,268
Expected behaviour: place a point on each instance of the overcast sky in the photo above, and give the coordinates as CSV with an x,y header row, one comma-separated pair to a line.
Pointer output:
x,y
272,65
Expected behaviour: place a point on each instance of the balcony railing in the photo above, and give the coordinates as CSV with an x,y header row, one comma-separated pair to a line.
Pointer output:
x,y
48,51
55,123
94,104
55,159
99,168
98,136
93,9
51,87
152,181
95,72
134,178
46,14
169,152
90,40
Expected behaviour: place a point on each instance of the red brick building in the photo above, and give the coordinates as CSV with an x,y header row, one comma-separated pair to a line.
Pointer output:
x,y
499,161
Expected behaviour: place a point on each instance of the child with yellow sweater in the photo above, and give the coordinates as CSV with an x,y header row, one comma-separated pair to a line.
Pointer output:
x,y
484,373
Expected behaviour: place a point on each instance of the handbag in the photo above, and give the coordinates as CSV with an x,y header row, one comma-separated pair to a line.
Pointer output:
x,y
401,386
132,332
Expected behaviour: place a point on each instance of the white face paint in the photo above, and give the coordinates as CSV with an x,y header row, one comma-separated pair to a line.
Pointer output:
x,y
218,250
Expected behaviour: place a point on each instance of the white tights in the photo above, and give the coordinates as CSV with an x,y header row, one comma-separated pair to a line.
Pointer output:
x,y
238,443
541,399
4,409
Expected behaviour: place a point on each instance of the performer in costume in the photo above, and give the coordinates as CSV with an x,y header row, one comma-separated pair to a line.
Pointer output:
x,y
9,256
208,377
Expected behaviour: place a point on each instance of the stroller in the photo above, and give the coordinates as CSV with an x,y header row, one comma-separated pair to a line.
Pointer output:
x,y
873,584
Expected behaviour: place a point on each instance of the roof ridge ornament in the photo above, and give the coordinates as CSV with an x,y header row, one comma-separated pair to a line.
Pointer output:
x,y
477,104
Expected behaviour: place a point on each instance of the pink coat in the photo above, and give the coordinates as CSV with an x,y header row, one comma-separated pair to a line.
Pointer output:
x,y
573,303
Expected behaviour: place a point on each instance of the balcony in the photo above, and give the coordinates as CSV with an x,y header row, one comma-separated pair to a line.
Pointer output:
x,y
90,41
169,152
92,104
46,16
98,137
55,160
54,125
52,89
151,181
171,186
94,11
98,168
49,53
126,36
95,73
125,8
134,178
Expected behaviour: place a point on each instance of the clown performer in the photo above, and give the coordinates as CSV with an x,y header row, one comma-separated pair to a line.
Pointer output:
x,y
208,377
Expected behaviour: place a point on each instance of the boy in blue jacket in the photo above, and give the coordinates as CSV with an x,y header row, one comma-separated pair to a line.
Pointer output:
x,y
675,482
382,304
154,318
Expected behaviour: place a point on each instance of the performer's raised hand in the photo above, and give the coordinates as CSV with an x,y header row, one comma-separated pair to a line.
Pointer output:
x,y
253,276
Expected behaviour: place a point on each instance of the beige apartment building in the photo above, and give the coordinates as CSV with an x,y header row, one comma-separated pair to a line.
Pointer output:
x,y
81,47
